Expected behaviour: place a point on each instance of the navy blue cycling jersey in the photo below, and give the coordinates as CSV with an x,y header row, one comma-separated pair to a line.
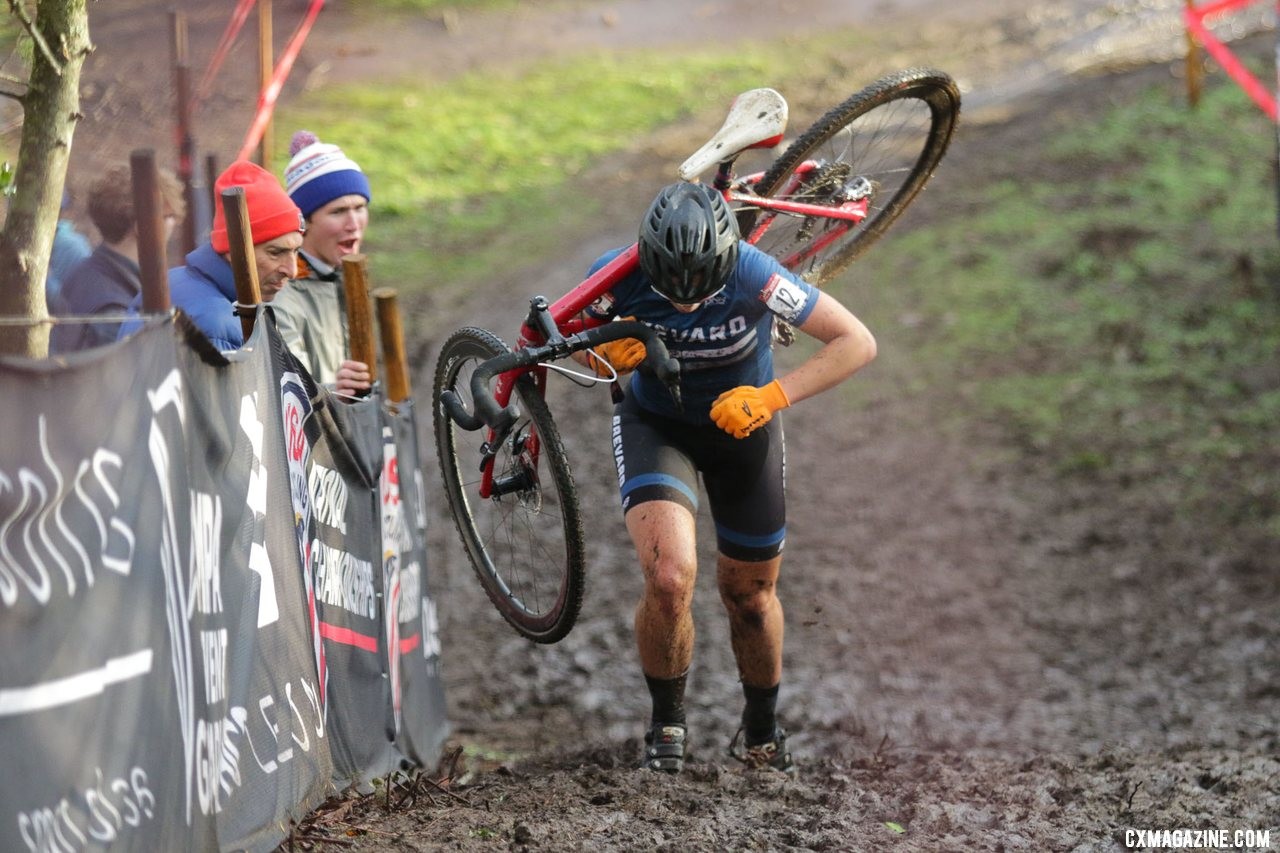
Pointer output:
x,y
721,345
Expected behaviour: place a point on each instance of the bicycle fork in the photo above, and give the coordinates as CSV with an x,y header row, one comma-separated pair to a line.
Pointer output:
x,y
526,447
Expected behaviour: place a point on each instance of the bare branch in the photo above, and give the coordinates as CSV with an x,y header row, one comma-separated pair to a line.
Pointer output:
x,y
30,27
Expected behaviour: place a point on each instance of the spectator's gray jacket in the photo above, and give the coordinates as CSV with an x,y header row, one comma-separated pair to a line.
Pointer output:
x,y
311,313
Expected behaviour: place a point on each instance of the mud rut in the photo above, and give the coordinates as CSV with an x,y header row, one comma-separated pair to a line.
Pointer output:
x,y
974,653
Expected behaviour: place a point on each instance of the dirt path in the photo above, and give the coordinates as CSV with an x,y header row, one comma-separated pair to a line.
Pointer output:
x,y
974,654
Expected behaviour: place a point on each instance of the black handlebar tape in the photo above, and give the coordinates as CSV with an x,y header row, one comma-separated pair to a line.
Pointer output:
x,y
488,412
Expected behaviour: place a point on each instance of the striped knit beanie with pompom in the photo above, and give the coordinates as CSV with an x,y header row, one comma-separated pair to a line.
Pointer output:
x,y
318,173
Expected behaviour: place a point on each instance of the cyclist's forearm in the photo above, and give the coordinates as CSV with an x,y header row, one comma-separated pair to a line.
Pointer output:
x,y
849,346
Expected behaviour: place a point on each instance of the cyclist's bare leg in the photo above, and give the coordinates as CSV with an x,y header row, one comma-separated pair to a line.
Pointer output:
x,y
749,593
663,533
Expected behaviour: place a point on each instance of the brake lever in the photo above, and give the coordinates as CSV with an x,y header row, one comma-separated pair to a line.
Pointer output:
x,y
665,368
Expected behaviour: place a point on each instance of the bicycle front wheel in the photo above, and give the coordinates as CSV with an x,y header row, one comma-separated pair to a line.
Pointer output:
x,y
882,144
525,541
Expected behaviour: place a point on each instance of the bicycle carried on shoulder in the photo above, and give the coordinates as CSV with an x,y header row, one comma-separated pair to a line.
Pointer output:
x,y
829,196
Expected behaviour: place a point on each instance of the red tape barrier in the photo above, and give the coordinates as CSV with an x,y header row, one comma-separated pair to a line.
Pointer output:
x,y
267,98
1195,18
229,36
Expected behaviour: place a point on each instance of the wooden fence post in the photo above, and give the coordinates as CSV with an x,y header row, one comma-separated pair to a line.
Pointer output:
x,y
211,172
182,110
236,210
152,262
1194,66
393,358
355,282
266,66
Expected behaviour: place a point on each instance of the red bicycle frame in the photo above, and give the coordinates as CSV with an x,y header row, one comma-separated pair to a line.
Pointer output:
x,y
568,311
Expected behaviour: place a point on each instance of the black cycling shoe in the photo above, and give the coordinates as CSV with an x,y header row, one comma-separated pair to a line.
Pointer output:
x,y
770,755
664,747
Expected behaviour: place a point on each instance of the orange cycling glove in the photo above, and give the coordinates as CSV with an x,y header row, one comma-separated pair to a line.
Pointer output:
x,y
740,411
624,354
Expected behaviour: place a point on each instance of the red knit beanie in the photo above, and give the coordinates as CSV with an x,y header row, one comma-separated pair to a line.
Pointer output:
x,y
271,212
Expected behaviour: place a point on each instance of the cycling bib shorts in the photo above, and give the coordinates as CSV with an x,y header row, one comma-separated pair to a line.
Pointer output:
x,y
659,458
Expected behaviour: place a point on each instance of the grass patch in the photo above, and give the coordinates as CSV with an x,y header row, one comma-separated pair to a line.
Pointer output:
x,y
1123,327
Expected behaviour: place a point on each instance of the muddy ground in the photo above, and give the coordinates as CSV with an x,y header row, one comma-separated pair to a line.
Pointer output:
x,y
978,657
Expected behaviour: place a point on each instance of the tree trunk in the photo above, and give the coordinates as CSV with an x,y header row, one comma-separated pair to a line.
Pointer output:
x,y
51,107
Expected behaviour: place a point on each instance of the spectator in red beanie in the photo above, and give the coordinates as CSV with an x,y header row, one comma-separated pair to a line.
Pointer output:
x,y
204,288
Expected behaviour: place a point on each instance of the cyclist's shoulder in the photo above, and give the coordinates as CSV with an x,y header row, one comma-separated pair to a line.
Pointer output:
x,y
757,271
755,265
761,279
599,262
621,292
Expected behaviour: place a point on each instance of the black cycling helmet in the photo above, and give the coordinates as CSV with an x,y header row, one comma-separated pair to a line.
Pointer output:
x,y
688,242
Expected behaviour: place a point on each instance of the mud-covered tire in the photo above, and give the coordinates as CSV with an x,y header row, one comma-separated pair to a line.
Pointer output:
x,y
893,133
525,546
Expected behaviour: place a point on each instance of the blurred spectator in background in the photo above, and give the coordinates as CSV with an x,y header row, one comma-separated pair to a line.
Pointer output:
x,y
205,288
70,247
333,194
106,282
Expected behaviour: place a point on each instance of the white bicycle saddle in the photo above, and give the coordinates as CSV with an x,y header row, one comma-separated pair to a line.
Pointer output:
x,y
757,119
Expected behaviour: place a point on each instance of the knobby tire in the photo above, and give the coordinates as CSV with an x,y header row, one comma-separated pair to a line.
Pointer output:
x,y
894,132
526,547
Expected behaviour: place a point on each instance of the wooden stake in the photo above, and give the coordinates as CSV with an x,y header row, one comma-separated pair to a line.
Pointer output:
x,y
211,172
1194,67
266,64
182,117
236,210
355,281
393,357
149,217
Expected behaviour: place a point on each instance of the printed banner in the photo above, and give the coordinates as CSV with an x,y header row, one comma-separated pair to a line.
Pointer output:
x,y
197,642
417,652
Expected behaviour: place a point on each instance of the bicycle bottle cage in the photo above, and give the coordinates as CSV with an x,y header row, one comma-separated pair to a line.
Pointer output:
x,y
757,119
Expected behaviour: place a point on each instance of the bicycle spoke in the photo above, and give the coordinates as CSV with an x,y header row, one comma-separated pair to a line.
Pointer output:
x,y
879,147
525,541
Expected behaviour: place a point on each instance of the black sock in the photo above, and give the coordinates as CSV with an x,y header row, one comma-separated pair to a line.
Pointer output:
x,y
668,698
759,716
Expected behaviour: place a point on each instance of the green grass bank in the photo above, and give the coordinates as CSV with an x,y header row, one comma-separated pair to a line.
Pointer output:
x,y
1116,308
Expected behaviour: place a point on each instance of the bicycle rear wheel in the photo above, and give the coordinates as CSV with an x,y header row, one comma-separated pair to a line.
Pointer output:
x,y
524,542
884,142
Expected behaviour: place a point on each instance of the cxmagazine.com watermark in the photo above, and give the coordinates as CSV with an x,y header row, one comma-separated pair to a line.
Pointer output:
x,y
1197,839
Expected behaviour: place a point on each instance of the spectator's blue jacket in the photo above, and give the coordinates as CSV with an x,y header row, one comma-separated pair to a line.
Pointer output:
x,y
104,283
204,289
70,247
